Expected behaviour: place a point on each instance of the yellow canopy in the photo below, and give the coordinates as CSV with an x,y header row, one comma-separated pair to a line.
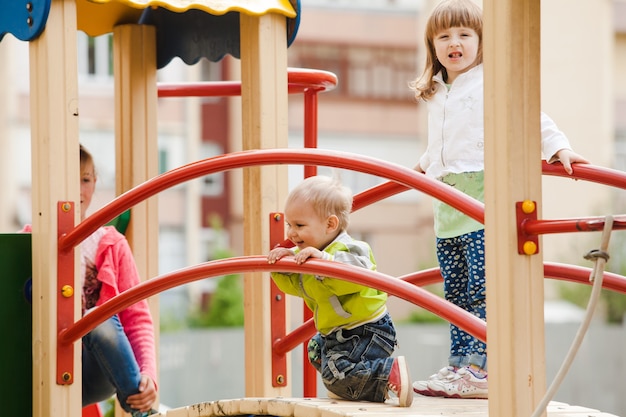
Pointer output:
x,y
97,17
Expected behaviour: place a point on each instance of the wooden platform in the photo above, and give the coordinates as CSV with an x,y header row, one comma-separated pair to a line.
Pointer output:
x,y
323,407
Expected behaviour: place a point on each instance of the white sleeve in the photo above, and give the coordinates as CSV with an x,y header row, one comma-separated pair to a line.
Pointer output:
x,y
552,139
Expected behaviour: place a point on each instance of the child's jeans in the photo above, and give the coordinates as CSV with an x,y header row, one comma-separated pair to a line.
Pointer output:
x,y
109,365
355,364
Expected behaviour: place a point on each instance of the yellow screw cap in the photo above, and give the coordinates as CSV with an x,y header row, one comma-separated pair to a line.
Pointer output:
x,y
530,247
528,206
67,291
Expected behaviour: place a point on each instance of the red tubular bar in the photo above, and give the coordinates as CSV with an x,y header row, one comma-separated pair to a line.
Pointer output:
x,y
387,283
588,172
299,80
580,275
405,287
400,174
588,224
310,127
278,327
377,193
309,373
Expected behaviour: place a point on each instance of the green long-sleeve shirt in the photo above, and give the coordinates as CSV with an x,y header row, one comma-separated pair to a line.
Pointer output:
x,y
337,303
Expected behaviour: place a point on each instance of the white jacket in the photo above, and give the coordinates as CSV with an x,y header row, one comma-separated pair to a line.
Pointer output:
x,y
456,132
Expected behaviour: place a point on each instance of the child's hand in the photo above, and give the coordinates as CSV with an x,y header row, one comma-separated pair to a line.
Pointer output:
x,y
277,253
569,157
147,395
306,253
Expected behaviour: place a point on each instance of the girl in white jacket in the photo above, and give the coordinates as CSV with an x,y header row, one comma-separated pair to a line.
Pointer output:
x,y
452,87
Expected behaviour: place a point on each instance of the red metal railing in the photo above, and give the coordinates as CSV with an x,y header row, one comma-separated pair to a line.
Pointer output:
x,y
387,283
310,82
402,178
407,177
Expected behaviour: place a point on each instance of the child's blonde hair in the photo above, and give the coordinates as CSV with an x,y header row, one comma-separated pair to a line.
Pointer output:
x,y
447,14
327,196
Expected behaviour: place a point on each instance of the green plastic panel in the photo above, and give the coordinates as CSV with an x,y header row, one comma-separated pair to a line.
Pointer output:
x,y
16,324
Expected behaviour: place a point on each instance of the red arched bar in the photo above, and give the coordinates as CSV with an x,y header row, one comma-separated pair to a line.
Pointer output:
x,y
369,165
387,283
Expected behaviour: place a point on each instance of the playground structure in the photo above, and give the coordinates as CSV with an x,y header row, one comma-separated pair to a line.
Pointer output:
x,y
264,86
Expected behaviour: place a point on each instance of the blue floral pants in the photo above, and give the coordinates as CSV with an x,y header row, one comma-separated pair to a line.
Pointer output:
x,y
462,263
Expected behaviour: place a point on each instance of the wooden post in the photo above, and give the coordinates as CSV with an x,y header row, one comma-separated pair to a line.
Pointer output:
x,y
55,177
136,150
515,327
264,125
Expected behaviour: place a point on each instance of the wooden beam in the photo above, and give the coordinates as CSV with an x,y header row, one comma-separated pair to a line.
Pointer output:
x,y
264,125
515,327
136,145
55,177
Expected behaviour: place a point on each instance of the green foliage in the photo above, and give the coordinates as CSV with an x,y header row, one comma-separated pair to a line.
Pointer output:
x,y
225,308
612,304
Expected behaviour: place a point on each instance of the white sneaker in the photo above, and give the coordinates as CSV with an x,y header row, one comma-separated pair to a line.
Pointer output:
x,y
445,373
467,383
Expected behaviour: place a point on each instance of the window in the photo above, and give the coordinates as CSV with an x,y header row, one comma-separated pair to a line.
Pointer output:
x,y
364,72
95,57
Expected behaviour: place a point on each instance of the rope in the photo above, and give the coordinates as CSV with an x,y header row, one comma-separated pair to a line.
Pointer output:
x,y
600,257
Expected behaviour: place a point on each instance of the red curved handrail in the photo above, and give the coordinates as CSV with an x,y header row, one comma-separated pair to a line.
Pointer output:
x,y
587,172
387,283
580,275
407,287
401,179
299,80
554,270
577,274
369,165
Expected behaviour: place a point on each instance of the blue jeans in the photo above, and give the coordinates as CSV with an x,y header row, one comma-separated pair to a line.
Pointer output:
x,y
462,264
355,364
109,365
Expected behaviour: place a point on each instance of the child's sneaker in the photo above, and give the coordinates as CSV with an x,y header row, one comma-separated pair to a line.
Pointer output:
x,y
399,382
467,383
446,373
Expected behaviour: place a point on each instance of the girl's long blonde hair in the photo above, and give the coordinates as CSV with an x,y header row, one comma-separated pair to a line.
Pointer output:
x,y
447,14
